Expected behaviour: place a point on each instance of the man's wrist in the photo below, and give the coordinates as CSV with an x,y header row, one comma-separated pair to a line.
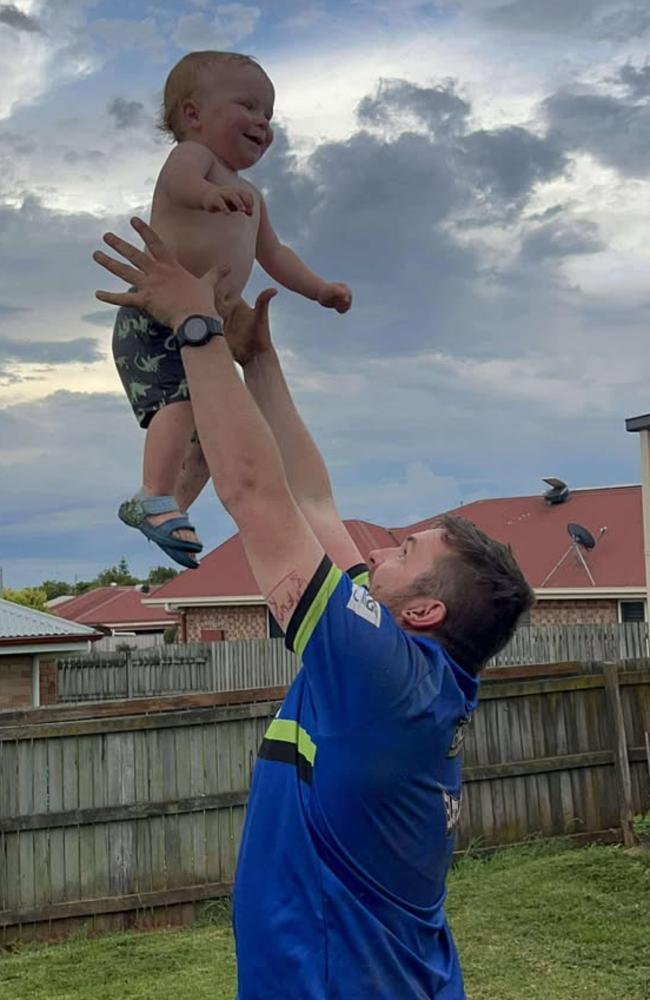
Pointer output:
x,y
197,310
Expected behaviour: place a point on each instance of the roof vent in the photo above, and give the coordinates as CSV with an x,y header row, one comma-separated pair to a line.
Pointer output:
x,y
558,493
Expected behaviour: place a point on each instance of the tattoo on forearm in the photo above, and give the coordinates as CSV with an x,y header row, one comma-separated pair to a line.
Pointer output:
x,y
285,595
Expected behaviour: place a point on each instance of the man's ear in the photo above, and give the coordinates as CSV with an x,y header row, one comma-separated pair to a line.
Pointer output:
x,y
424,613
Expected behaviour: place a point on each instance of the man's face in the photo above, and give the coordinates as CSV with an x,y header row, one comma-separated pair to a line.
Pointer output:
x,y
394,570
236,107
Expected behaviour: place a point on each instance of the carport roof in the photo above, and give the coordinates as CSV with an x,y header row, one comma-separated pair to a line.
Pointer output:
x,y
18,622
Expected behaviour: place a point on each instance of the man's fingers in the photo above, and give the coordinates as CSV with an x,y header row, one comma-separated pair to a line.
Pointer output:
x,y
120,298
153,243
262,303
127,250
128,274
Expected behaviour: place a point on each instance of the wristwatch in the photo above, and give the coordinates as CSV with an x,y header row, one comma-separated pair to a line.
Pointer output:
x,y
195,331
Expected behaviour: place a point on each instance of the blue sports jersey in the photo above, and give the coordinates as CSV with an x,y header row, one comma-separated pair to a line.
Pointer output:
x,y
348,836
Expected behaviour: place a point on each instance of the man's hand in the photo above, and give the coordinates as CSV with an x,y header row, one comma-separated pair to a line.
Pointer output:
x,y
163,286
247,330
228,199
335,295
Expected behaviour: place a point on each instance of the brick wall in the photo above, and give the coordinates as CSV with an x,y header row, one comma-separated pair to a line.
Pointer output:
x,y
247,622
599,612
15,682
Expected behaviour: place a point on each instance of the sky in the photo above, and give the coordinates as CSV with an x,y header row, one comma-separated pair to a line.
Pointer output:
x,y
478,171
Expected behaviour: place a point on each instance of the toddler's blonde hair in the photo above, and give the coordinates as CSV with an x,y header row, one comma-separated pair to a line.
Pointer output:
x,y
184,80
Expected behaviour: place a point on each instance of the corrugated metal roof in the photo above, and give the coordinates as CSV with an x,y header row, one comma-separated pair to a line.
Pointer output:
x,y
19,622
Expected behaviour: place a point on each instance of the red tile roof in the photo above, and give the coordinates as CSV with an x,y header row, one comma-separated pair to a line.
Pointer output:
x,y
538,535
114,607
536,531
224,573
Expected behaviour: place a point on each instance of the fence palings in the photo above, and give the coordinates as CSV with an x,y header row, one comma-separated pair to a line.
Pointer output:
x,y
140,807
253,663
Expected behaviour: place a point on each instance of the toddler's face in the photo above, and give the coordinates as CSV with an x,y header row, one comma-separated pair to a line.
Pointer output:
x,y
236,110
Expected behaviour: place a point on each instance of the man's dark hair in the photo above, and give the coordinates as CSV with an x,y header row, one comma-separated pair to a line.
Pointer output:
x,y
484,591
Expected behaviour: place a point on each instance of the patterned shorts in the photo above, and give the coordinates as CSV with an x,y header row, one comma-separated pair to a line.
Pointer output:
x,y
148,362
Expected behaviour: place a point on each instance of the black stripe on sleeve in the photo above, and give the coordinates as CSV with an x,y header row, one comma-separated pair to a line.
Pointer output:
x,y
286,753
305,601
356,570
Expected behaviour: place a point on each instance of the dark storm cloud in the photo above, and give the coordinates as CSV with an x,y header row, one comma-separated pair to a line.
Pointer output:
x,y
439,108
126,113
82,349
103,318
509,162
561,238
6,310
15,18
614,130
617,20
637,80
382,210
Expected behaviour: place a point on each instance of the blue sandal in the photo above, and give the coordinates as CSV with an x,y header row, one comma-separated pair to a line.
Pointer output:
x,y
135,512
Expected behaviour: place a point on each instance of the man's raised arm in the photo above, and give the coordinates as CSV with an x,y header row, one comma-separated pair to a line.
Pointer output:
x,y
248,335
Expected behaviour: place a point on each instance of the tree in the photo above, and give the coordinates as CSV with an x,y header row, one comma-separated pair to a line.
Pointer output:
x,y
29,597
56,588
160,574
119,574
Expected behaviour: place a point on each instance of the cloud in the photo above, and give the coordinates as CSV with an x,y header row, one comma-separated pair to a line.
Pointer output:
x,y
636,80
6,310
103,318
84,349
15,18
614,130
616,20
225,26
561,238
126,113
397,102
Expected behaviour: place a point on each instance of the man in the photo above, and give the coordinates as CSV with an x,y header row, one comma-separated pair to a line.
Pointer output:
x,y
349,831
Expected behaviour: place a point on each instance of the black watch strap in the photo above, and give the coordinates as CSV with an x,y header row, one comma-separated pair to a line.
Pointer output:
x,y
197,330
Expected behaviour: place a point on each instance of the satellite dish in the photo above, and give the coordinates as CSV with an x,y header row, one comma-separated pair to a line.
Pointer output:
x,y
559,491
580,535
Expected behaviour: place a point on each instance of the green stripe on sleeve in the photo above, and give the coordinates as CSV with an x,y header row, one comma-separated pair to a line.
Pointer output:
x,y
316,609
288,731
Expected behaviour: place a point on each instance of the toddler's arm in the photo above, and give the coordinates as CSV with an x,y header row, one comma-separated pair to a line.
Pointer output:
x,y
285,267
183,179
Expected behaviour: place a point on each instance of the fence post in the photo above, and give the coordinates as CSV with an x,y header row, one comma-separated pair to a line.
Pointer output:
x,y
621,759
129,676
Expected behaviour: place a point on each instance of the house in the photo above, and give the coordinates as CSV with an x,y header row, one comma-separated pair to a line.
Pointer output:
x,y
574,583
116,611
30,642
220,599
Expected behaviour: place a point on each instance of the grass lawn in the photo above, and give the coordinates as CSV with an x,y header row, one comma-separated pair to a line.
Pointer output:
x,y
534,923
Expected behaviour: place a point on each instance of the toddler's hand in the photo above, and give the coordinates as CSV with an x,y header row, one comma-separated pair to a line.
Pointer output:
x,y
335,295
228,199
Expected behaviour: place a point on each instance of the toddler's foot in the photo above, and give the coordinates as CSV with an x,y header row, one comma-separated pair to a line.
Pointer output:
x,y
159,519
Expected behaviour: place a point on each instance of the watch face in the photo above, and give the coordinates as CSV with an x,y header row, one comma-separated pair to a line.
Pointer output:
x,y
195,328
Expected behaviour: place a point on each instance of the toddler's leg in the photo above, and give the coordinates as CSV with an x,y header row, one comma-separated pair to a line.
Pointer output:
x,y
193,475
168,440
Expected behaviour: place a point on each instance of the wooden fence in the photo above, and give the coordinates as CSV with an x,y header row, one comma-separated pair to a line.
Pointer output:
x,y
253,663
216,666
131,812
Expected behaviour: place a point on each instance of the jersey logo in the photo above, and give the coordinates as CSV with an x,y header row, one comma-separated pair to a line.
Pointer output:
x,y
452,810
363,605
458,738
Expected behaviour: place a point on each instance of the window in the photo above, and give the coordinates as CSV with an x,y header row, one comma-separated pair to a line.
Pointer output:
x,y
632,611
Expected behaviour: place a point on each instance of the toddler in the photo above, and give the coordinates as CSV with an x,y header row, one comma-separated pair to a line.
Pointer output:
x,y
218,108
